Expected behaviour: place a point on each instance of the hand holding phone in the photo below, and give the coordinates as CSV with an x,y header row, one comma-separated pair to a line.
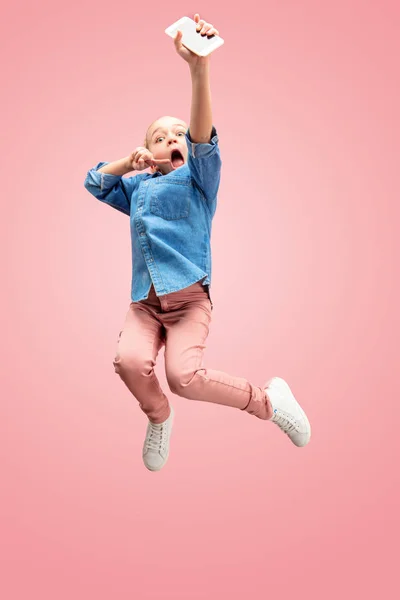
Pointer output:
x,y
191,39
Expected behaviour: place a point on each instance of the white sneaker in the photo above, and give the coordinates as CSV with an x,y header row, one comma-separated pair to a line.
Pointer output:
x,y
288,414
156,443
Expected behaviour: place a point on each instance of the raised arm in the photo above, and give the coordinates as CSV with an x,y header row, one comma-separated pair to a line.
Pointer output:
x,y
204,160
201,113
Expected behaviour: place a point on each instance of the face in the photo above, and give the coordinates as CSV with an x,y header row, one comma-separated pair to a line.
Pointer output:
x,y
166,139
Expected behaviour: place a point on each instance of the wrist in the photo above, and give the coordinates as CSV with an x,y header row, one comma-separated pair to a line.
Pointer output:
x,y
128,164
200,67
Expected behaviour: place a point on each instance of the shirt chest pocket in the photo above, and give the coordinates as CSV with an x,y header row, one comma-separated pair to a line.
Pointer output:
x,y
171,199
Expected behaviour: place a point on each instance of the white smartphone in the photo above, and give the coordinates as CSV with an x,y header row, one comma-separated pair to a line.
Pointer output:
x,y
199,44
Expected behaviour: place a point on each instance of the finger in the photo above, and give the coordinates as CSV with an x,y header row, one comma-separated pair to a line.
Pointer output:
x,y
196,17
200,25
212,32
161,160
177,39
206,29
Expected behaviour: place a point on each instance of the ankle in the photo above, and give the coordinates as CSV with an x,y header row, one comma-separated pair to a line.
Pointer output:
x,y
161,419
268,406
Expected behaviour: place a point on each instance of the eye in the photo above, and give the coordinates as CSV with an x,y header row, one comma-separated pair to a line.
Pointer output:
x,y
161,137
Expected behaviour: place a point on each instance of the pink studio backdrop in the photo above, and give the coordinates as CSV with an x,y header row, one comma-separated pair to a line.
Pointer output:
x,y
305,285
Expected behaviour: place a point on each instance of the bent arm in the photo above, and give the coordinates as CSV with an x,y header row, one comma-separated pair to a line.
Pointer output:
x,y
111,188
118,167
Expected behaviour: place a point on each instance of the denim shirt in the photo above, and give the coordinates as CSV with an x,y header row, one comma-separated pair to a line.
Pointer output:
x,y
170,218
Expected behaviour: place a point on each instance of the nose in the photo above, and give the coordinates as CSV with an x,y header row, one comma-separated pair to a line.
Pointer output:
x,y
172,138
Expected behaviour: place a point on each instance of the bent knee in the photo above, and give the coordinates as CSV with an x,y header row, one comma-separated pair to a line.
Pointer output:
x,y
179,382
133,364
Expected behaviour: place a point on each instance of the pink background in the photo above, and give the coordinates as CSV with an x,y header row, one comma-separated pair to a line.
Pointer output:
x,y
305,242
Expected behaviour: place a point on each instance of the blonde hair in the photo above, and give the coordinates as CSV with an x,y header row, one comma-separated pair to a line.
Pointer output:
x,y
145,142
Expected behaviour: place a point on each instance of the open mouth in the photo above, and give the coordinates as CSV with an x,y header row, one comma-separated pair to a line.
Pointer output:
x,y
177,159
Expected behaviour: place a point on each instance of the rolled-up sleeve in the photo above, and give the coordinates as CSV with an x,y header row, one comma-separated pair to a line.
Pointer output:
x,y
204,162
114,190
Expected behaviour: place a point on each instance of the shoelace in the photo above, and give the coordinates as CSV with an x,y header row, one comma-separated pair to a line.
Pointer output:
x,y
284,421
157,436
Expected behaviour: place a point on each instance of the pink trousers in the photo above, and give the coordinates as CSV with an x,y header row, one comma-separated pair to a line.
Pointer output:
x,y
180,321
